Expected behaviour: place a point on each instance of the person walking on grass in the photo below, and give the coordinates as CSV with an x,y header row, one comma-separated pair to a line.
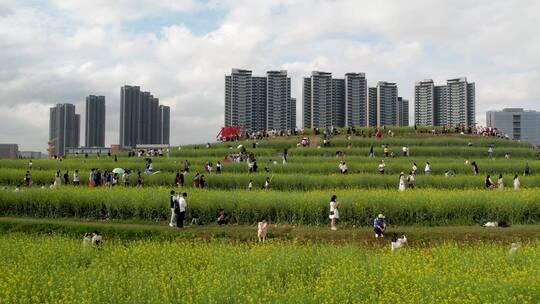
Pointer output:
x,y
172,201
527,170
219,167
250,185
427,169
500,182
379,226
490,151
262,228
180,210
28,179
76,181
401,182
489,183
381,166
517,183
475,168
334,212
410,180
57,179
266,184
414,169
371,153
66,178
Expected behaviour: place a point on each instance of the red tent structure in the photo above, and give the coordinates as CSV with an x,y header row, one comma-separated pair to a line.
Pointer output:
x,y
230,133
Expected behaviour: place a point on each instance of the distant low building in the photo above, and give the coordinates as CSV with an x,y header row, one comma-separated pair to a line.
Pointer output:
x,y
517,123
87,150
31,154
9,150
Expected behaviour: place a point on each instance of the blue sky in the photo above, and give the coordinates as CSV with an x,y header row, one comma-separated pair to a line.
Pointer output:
x,y
59,51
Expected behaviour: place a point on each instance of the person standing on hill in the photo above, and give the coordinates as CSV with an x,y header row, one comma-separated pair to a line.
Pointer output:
x,y
490,151
500,182
30,164
381,167
517,183
180,208
334,212
427,169
379,226
57,179
527,170
475,168
414,169
266,184
401,182
66,178
250,185
186,166
219,167
172,201
410,180
262,228
76,181
28,179
489,183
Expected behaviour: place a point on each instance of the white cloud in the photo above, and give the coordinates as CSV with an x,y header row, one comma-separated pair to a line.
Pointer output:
x,y
62,51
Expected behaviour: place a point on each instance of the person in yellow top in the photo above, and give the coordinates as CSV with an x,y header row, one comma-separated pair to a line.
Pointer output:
x,y
386,151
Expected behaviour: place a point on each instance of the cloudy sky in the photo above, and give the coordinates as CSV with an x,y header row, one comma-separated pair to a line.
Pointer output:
x,y
62,50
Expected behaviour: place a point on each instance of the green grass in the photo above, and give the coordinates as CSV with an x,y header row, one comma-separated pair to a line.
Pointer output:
x,y
358,207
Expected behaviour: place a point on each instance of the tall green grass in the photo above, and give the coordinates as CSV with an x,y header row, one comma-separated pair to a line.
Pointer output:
x,y
357,207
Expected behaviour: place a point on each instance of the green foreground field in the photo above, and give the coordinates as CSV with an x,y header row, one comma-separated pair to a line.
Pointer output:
x,y
275,272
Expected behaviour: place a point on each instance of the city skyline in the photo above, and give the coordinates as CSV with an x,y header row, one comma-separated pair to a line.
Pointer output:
x,y
50,54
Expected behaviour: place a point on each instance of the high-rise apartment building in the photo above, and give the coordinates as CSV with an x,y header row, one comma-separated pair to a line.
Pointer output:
x,y
372,107
141,120
164,124
259,103
402,112
387,94
64,129
279,107
451,105
95,121
317,94
517,123
356,100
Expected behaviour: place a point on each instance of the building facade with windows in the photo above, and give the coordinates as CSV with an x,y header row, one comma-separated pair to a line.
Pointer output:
x,y
517,123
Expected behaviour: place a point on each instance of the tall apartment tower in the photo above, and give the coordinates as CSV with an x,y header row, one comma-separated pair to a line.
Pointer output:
x,y
424,103
402,112
460,107
165,124
140,118
451,105
95,121
372,107
279,107
64,129
387,94
291,124
317,101
356,100
338,102
259,103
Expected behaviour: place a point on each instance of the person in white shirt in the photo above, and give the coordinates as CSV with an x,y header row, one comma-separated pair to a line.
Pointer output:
x,y
381,167
414,169
76,177
96,239
172,201
402,182
250,185
500,182
334,212
262,228
427,169
180,209
517,183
